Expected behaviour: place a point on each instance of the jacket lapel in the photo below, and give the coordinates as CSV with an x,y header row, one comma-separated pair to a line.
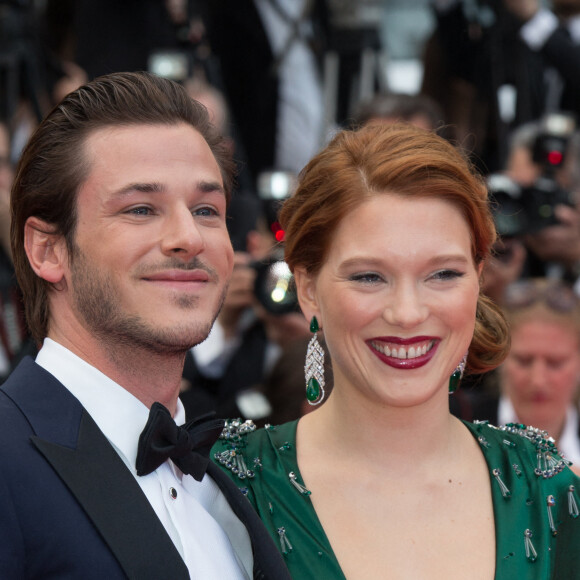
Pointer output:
x,y
268,562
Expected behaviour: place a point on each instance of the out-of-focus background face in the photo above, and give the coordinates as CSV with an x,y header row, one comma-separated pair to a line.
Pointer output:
x,y
542,372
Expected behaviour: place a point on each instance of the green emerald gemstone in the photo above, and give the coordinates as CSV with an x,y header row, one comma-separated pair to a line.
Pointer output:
x,y
313,390
454,381
314,325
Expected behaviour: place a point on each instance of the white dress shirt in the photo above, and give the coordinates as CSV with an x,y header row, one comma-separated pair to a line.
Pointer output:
x,y
212,541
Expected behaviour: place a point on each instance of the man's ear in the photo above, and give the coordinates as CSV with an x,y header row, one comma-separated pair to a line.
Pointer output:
x,y
306,292
46,251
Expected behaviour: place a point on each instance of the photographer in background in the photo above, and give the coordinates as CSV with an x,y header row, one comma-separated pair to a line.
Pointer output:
x,y
542,206
496,64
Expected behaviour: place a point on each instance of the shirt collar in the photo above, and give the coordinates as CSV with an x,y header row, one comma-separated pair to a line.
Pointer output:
x,y
118,413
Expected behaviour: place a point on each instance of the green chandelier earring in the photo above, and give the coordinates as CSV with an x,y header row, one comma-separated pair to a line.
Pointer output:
x,y
457,375
314,367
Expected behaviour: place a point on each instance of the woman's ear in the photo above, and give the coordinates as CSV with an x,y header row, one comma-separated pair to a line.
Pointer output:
x,y
306,292
480,269
46,251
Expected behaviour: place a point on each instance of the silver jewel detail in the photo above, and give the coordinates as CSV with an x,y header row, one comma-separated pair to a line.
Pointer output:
x,y
506,493
233,460
572,505
550,503
531,553
234,429
548,463
233,436
285,544
298,486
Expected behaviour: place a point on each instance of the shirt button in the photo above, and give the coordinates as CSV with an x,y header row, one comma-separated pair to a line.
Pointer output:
x,y
173,493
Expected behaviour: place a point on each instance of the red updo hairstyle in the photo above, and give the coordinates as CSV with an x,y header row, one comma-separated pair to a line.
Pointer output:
x,y
403,160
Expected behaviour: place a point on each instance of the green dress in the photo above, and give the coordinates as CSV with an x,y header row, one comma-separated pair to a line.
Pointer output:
x,y
535,500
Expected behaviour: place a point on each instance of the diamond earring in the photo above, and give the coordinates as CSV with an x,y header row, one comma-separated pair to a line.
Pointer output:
x,y
457,375
314,367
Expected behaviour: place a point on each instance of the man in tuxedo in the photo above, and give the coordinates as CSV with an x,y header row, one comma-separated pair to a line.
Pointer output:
x,y
122,254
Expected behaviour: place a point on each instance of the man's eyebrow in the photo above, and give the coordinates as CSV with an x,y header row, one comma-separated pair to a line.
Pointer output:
x,y
154,187
141,187
211,186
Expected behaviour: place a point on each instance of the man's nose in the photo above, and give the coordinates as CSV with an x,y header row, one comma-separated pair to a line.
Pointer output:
x,y
181,234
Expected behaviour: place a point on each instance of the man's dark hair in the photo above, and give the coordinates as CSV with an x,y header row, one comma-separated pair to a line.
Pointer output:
x,y
53,165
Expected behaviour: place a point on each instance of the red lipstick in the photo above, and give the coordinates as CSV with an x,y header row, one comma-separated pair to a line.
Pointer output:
x,y
404,353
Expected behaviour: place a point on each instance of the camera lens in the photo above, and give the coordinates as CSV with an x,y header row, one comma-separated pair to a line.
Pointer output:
x,y
274,287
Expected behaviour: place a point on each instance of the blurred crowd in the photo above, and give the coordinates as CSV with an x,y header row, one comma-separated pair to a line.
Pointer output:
x,y
501,80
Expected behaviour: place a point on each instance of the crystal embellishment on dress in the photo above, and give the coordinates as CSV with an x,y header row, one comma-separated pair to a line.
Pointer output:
x,y
572,505
506,493
549,463
285,544
298,486
531,553
550,503
232,458
234,429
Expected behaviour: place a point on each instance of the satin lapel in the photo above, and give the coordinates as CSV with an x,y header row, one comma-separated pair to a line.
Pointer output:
x,y
268,562
111,497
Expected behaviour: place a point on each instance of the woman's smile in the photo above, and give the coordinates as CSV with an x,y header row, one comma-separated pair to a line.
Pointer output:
x,y
407,354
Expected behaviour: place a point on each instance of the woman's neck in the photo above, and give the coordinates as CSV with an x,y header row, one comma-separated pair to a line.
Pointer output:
x,y
404,436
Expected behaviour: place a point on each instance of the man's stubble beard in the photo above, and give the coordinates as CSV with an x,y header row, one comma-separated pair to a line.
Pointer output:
x,y
95,300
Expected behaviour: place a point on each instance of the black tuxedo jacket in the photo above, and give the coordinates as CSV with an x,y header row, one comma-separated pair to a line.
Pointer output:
x,y
69,507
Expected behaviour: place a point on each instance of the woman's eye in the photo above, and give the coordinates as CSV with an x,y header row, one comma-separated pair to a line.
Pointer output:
x,y
366,277
447,275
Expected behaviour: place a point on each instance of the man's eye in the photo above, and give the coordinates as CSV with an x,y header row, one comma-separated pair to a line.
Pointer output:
x,y
140,210
206,212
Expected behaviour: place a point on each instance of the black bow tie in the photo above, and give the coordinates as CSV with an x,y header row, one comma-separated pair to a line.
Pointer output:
x,y
188,446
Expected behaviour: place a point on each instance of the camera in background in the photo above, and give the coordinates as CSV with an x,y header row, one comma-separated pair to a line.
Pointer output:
x,y
519,209
274,285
